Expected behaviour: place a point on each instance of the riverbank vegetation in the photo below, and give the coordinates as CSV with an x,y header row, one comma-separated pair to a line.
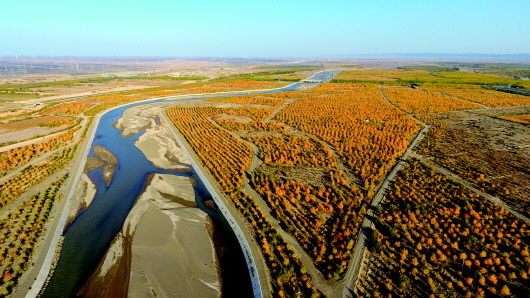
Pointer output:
x,y
66,116
227,159
20,156
32,175
21,230
304,152
104,102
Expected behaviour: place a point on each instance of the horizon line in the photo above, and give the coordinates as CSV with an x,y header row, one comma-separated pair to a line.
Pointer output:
x,y
323,56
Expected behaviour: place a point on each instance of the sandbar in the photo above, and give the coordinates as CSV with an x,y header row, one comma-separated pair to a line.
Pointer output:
x,y
157,143
110,162
165,247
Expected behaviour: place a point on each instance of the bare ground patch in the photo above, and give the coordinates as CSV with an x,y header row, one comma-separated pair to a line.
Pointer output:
x,y
314,176
234,118
491,153
25,134
32,122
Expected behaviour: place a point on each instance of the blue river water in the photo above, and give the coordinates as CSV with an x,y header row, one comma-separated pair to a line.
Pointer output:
x,y
89,236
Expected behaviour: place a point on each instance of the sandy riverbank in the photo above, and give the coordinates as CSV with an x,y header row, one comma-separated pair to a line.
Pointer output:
x,y
157,142
164,249
135,119
85,191
160,149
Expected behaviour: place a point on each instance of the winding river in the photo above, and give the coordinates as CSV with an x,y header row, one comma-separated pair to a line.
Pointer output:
x,y
89,236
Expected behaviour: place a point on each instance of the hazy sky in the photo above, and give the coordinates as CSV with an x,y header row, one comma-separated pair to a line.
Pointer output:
x,y
262,28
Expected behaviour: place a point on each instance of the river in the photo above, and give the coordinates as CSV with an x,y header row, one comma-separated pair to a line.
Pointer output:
x,y
87,239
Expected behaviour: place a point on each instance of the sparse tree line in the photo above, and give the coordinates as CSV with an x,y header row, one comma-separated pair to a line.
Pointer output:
x,y
509,166
13,188
20,156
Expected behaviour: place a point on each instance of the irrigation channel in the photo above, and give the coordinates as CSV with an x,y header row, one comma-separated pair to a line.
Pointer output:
x,y
87,239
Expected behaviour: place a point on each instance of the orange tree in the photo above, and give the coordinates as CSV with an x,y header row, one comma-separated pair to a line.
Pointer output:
x,y
490,169
323,220
327,212
290,149
71,108
437,237
367,132
227,159
32,175
21,229
417,101
20,156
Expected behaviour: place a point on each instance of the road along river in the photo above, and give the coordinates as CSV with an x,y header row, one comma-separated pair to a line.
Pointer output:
x,y
87,238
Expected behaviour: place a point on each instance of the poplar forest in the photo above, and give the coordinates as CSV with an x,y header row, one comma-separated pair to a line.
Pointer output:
x,y
409,181
303,168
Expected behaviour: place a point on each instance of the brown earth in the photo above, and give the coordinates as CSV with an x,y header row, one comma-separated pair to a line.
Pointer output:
x,y
32,122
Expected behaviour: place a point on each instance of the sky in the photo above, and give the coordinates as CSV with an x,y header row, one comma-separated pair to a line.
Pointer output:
x,y
289,28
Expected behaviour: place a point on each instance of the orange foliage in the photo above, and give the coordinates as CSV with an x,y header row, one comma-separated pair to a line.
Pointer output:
x,y
20,156
72,108
32,175
227,159
486,97
302,210
21,228
225,156
289,149
446,210
417,101
366,131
